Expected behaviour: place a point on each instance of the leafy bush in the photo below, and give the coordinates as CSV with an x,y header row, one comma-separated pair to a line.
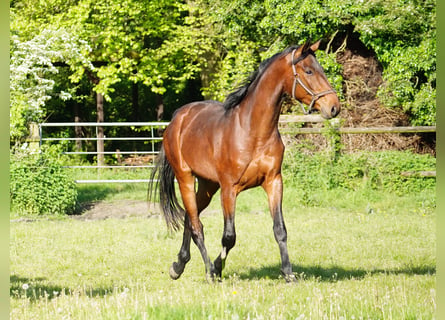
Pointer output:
x,y
40,185
402,34
358,171
32,81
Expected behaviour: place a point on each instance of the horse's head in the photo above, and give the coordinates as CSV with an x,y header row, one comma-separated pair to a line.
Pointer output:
x,y
310,85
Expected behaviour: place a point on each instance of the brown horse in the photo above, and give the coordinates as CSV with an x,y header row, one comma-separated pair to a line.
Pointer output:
x,y
235,146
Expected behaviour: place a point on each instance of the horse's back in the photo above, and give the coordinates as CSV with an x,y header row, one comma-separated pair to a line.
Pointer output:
x,y
191,139
198,118
192,109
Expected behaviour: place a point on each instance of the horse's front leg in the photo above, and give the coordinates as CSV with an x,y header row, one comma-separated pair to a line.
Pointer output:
x,y
228,198
274,190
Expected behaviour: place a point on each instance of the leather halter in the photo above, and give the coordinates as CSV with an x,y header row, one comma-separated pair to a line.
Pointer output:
x,y
297,79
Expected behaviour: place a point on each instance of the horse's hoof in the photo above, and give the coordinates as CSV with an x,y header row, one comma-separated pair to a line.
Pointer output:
x,y
213,278
210,278
290,278
173,274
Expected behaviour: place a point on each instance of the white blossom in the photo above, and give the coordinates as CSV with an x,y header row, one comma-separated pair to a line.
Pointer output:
x,y
31,69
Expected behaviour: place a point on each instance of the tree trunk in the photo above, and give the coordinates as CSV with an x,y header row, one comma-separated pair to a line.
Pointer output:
x,y
77,129
135,102
159,107
100,130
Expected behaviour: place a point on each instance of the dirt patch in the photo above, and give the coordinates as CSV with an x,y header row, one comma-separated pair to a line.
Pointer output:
x,y
119,209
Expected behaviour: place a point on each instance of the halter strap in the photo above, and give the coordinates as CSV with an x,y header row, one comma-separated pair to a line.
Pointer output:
x,y
297,79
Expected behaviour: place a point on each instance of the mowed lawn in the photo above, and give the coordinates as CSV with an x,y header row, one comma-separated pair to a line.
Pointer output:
x,y
351,264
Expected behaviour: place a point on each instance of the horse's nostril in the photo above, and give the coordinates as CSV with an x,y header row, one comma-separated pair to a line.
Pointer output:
x,y
334,111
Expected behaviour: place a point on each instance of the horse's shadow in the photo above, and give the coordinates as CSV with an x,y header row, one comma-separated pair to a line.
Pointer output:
x,y
37,288
331,273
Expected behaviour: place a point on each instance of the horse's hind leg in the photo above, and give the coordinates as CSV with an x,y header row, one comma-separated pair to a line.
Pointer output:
x,y
228,198
177,268
206,190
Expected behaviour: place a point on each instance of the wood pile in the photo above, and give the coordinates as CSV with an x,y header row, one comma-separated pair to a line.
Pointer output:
x,y
362,77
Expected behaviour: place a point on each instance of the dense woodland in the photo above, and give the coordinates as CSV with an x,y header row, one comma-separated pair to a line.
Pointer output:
x,y
139,60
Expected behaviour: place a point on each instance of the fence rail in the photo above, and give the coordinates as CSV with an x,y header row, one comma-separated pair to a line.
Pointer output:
x,y
152,138
367,130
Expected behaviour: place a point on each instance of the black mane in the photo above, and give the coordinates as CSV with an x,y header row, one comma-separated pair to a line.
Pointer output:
x,y
235,98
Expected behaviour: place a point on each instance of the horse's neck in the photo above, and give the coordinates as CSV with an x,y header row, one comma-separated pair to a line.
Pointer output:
x,y
260,110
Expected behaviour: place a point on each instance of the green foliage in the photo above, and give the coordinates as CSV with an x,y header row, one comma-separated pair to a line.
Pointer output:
x,y
332,69
401,33
127,45
40,185
32,74
166,46
404,39
357,172
234,68
158,45
410,78
331,132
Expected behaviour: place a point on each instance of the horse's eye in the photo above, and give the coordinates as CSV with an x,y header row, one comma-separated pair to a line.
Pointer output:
x,y
308,71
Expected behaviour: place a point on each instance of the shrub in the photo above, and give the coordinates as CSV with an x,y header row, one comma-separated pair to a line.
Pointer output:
x,y
358,171
40,185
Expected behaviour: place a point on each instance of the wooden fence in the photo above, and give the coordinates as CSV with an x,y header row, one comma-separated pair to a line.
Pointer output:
x,y
287,119
37,138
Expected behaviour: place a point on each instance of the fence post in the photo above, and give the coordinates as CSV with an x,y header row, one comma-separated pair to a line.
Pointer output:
x,y
100,130
332,133
34,136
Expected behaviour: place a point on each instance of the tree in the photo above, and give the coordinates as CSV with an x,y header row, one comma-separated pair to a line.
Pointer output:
x,y
31,74
161,46
401,33
404,39
155,43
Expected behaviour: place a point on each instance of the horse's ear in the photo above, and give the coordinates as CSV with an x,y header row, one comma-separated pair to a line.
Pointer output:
x,y
315,46
304,49
301,50
306,46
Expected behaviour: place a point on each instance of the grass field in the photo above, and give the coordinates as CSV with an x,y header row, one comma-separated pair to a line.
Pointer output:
x,y
355,259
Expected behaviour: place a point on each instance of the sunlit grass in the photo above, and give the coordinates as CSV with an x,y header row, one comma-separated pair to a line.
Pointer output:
x,y
350,264
358,254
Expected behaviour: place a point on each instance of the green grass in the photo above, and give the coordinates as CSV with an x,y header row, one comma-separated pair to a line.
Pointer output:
x,y
352,263
359,252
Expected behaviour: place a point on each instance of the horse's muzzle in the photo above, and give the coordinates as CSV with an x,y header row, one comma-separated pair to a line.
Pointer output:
x,y
335,110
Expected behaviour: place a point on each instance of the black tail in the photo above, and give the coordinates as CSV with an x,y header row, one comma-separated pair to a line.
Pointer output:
x,y
165,184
